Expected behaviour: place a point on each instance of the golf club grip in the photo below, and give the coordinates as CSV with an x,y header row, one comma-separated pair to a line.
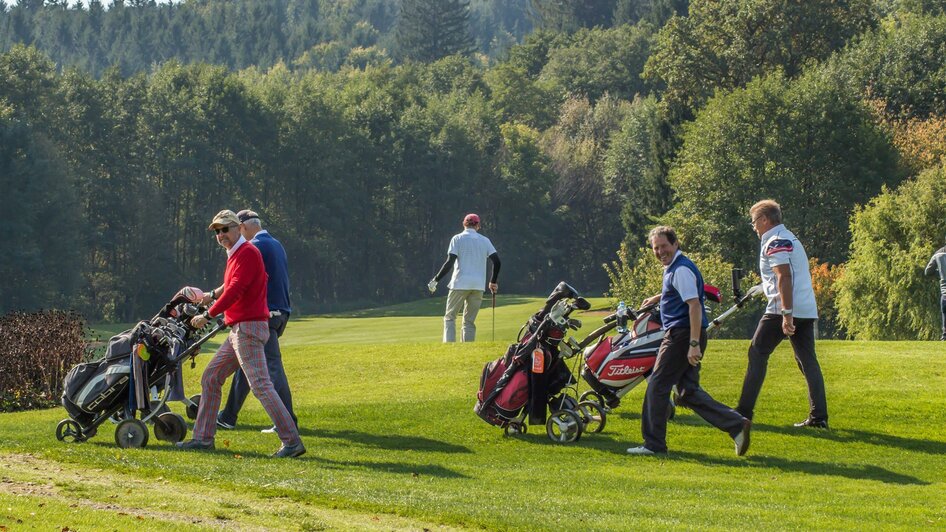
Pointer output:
x,y
611,318
195,347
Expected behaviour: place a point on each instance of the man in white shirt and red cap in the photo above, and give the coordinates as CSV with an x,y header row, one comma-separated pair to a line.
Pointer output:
x,y
467,255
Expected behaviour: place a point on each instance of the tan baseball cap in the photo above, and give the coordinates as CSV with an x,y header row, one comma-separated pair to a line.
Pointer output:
x,y
224,218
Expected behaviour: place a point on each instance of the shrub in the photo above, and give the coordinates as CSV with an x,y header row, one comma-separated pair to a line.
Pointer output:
x,y
36,351
823,279
884,294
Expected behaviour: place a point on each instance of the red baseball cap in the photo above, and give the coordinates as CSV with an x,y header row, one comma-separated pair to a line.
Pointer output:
x,y
471,219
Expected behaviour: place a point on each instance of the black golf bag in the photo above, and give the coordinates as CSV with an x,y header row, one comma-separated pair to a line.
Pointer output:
x,y
138,375
527,378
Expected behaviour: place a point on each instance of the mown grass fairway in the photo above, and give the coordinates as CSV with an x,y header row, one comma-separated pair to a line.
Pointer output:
x,y
393,444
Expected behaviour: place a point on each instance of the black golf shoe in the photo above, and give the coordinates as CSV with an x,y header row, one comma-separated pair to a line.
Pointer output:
x,y
195,445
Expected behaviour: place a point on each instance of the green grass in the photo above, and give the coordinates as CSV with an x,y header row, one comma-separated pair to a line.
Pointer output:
x,y
393,444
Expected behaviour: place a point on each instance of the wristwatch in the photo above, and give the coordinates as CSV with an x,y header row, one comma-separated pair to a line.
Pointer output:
x,y
786,312
694,343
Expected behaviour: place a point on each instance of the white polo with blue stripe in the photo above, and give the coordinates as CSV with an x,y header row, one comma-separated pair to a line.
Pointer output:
x,y
780,246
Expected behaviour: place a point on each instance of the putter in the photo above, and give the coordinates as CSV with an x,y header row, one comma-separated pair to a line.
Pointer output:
x,y
494,316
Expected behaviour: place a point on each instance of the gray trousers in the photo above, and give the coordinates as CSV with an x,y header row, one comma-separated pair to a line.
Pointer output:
x,y
673,368
240,387
942,305
469,301
766,338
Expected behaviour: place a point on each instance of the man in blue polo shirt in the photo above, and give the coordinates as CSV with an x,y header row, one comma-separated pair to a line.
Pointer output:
x,y
678,360
277,298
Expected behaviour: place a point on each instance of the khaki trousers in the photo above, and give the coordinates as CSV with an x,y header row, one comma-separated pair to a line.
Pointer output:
x,y
469,301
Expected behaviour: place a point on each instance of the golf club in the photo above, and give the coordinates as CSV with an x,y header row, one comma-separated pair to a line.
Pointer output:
x,y
494,316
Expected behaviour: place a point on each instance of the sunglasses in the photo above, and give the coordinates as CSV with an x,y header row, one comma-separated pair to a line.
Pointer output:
x,y
218,230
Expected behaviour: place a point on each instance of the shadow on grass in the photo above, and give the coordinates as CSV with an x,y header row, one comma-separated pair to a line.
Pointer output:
x,y
687,417
858,436
851,471
609,444
392,442
627,414
401,468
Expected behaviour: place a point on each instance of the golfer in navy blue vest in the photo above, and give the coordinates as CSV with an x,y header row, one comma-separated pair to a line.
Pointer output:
x,y
678,360
277,298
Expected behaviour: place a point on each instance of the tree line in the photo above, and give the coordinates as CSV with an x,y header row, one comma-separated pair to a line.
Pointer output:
x,y
134,35
607,119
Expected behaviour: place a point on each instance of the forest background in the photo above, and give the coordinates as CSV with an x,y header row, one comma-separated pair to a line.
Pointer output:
x,y
363,130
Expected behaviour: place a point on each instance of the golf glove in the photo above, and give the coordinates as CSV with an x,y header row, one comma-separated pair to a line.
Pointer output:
x,y
432,286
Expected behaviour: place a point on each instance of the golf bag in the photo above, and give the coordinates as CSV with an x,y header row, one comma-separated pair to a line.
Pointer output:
x,y
525,379
614,365
140,364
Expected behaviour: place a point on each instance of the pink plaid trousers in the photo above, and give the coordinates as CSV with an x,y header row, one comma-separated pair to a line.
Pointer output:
x,y
243,348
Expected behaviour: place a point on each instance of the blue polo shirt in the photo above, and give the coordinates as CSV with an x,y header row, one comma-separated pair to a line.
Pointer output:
x,y
277,268
682,281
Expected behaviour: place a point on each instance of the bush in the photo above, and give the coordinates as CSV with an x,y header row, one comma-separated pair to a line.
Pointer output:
x,y
823,279
36,351
884,294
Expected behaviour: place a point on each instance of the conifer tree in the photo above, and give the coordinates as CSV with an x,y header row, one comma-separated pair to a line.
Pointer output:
x,y
428,30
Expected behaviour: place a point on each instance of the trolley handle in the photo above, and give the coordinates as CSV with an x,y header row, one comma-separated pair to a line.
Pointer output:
x,y
192,351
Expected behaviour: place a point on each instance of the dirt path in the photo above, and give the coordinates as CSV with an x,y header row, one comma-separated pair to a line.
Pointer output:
x,y
113,493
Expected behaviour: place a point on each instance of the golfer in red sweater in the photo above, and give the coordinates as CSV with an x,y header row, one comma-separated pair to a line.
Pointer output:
x,y
243,304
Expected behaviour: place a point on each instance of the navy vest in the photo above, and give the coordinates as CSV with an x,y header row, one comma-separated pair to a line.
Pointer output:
x,y
673,310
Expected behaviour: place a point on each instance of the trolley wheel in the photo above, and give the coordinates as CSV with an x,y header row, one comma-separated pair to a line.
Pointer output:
x,y
69,431
515,428
564,426
170,427
153,405
592,395
592,415
193,407
563,401
131,434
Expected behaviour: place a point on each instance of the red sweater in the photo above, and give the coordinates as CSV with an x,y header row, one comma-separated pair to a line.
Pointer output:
x,y
244,288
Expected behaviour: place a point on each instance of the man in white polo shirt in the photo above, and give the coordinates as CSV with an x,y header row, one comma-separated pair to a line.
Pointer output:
x,y
792,312
938,264
469,252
